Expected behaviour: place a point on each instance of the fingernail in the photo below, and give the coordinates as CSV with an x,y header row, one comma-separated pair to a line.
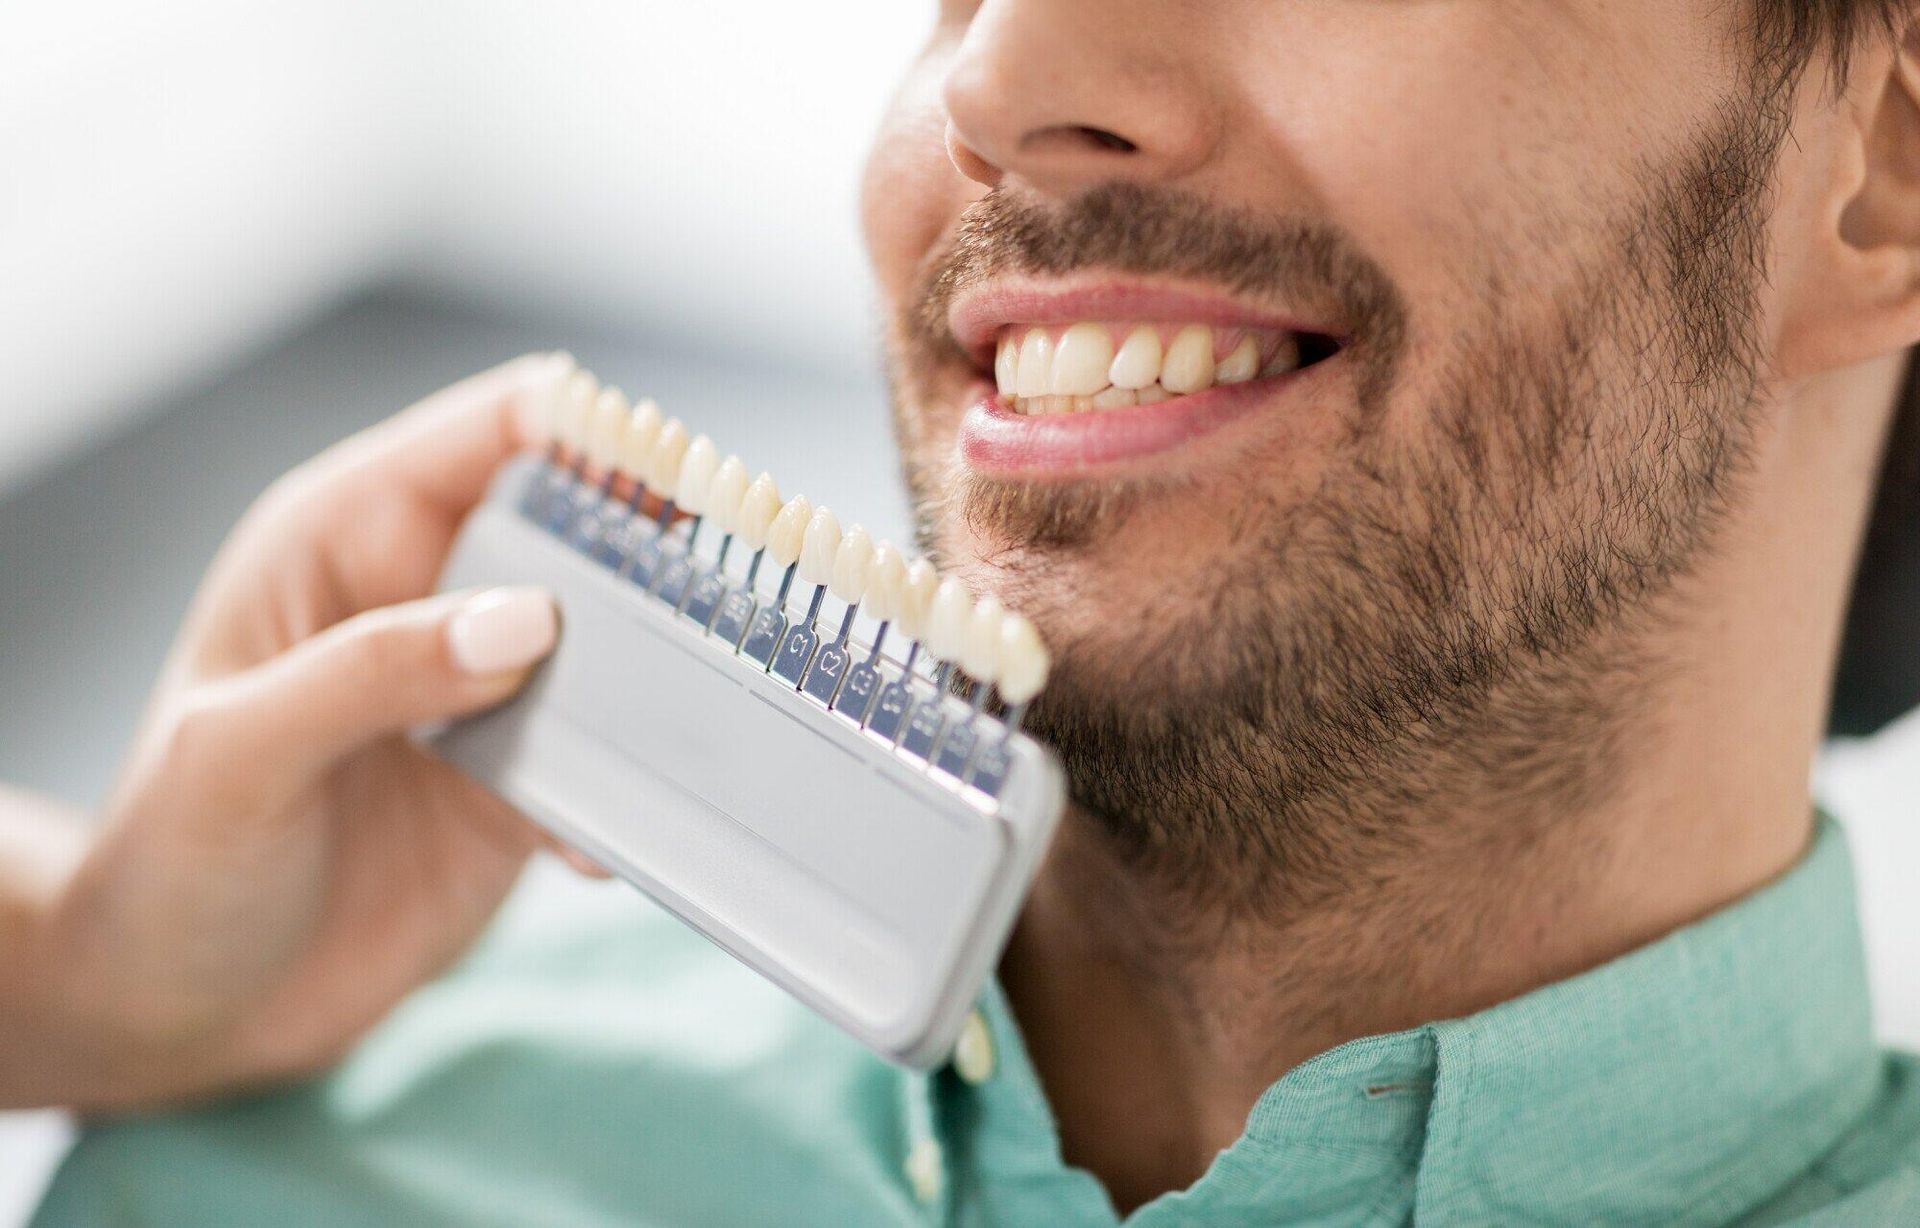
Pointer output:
x,y
503,629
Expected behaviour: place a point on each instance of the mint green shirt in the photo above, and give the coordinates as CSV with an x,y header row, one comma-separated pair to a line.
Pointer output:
x,y
604,1066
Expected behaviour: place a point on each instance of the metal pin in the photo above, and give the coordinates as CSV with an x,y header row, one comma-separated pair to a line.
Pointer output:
x,y
796,651
768,631
955,752
862,684
829,667
988,772
922,734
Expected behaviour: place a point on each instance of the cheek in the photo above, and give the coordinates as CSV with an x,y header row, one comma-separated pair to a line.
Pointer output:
x,y
910,194
1477,152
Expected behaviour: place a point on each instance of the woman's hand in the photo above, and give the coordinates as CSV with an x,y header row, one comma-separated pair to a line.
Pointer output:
x,y
278,864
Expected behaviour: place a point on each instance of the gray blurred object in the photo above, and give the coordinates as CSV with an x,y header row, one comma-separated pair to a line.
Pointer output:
x,y
1879,678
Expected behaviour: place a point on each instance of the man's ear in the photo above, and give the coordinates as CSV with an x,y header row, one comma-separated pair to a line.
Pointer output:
x,y
1857,295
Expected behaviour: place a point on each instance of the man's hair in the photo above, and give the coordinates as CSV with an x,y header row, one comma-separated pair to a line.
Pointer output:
x,y
1791,33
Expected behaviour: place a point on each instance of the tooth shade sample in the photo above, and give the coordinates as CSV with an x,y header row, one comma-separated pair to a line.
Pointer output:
x,y
851,563
916,597
817,548
637,442
886,582
606,427
1036,364
663,467
1006,365
1023,660
1115,398
724,493
1152,394
697,468
789,530
1138,362
947,620
1081,359
980,655
1188,366
1242,364
758,507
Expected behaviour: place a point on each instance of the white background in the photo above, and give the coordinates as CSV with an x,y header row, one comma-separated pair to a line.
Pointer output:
x,y
180,181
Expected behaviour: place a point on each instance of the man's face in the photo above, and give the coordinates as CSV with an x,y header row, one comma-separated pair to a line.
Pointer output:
x,y
1444,318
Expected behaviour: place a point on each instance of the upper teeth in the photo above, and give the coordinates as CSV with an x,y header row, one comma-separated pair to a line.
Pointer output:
x,y
1048,369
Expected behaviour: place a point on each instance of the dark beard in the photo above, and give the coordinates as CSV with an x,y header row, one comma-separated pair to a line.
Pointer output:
x,y
1431,625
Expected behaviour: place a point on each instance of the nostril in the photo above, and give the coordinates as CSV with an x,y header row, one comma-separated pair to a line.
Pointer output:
x,y
1107,140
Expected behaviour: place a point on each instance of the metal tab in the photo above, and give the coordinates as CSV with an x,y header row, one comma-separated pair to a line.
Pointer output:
x,y
828,669
676,575
889,715
733,617
795,651
764,635
990,766
857,692
956,749
704,596
922,733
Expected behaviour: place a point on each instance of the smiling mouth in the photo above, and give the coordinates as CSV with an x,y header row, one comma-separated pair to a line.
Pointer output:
x,y
1090,366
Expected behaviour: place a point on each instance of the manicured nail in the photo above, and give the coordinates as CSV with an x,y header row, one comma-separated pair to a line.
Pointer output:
x,y
503,629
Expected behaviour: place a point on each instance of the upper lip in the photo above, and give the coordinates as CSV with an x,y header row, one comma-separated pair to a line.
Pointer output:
x,y
976,315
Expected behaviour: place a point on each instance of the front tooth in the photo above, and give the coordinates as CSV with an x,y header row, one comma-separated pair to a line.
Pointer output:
x,y
819,546
663,467
695,481
1116,398
789,530
1036,364
1055,405
1006,365
1189,362
636,445
916,597
1285,358
758,507
947,620
1239,366
980,656
886,582
1138,362
1023,660
1152,394
1081,359
725,494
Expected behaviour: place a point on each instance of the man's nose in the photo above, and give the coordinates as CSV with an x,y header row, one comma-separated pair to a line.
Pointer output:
x,y
1064,94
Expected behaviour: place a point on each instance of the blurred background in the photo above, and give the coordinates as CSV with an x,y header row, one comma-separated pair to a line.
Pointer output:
x,y
231,233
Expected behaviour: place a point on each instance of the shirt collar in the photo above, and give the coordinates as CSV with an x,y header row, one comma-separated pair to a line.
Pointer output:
x,y
1682,1083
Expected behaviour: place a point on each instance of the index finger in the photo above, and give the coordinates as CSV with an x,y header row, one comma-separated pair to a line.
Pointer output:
x,y
445,449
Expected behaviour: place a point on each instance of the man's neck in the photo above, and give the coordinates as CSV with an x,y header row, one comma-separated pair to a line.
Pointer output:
x,y
1155,1028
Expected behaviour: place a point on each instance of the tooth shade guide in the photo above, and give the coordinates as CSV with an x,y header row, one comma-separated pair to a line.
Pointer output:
x,y
860,572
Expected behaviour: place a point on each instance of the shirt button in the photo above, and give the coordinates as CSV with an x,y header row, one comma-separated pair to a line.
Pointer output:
x,y
973,1052
926,1170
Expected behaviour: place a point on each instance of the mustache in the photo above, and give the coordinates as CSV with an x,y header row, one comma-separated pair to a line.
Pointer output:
x,y
1150,230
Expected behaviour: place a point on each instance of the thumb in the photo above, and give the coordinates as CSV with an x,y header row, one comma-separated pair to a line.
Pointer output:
x,y
385,670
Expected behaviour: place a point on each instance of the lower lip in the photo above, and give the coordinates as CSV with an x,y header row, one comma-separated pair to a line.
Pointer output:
x,y
996,440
